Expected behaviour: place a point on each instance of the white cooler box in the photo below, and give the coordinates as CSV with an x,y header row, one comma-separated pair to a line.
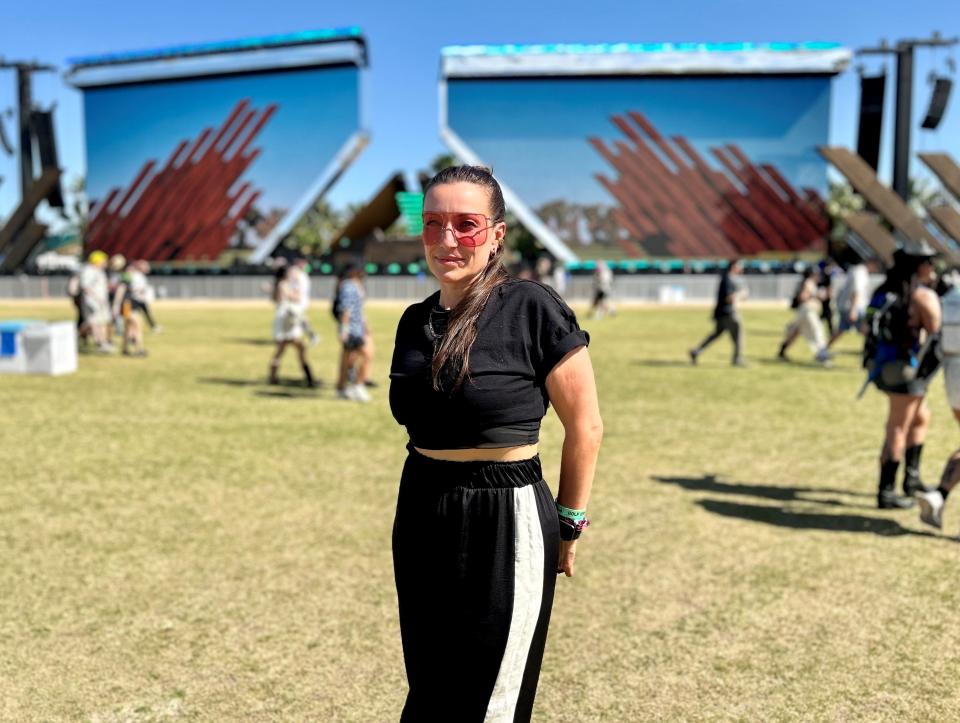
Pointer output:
x,y
42,348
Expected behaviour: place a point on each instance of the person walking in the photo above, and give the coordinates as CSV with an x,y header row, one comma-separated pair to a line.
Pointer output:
x,y
602,290
288,328
478,538
826,268
932,502
853,298
726,315
904,319
126,304
353,333
806,319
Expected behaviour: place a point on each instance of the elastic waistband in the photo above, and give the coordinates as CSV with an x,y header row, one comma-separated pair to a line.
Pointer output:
x,y
476,474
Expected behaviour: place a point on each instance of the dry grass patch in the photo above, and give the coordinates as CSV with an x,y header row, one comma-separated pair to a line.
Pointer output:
x,y
182,542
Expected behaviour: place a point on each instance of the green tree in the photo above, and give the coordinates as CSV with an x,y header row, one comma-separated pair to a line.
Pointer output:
x,y
444,160
316,228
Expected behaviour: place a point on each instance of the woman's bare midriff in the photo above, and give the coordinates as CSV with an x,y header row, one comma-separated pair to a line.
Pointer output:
x,y
483,454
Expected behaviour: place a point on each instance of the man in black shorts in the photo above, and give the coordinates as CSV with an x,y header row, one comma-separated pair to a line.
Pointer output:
x,y
725,314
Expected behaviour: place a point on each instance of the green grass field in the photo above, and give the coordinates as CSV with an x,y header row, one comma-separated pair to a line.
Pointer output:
x,y
179,541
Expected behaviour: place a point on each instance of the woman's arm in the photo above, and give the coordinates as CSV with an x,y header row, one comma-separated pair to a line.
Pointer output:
x,y
573,393
928,308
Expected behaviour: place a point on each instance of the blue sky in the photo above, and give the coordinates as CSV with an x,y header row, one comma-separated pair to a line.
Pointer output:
x,y
534,132
406,38
317,113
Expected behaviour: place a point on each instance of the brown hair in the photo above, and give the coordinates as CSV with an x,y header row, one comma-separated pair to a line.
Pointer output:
x,y
454,351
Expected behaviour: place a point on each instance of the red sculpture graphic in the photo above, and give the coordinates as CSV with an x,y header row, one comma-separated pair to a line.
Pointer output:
x,y
696,210
190,208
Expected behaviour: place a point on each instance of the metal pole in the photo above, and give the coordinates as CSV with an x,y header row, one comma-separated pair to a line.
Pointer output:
x,y
25,103
901,137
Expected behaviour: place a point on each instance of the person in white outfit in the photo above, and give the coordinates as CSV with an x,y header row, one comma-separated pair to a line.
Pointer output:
x,y
299,277
806,320
94,290
288,323
602,290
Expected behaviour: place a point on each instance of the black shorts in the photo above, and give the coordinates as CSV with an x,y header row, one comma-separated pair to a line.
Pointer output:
x,y
916,387
353,343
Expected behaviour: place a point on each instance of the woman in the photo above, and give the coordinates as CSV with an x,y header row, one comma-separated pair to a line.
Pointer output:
x,y
806,320
125,306
353,332
288,326
905,322
478,539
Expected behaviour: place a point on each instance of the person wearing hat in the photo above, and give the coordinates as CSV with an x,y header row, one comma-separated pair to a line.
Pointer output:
x,y
94,292
900,355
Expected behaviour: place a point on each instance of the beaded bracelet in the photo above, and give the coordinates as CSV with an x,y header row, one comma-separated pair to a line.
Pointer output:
x,y
571,514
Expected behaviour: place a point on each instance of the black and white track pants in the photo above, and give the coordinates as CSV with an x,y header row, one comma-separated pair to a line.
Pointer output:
x,y
475,547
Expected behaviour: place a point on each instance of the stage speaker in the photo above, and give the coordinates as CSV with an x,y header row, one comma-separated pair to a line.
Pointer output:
x,y
41,126
871,118
938,103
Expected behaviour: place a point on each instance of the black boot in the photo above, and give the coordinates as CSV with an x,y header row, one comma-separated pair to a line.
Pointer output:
x,y
887,499
308,375
273,379
912,483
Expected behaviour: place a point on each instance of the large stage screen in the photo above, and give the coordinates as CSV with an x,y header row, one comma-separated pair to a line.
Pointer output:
x,y
604,160
192,155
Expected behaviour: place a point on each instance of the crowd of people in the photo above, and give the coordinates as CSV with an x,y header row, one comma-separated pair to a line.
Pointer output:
x,y
292,328
812,306
910,326
110,295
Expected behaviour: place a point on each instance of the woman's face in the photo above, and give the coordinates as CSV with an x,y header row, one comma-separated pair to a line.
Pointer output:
x,y
449,261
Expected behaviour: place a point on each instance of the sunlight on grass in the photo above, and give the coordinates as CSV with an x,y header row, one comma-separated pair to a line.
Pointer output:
x,y
182,541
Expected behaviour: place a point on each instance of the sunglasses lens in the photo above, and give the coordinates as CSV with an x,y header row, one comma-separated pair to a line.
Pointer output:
x,y
432,228
468,229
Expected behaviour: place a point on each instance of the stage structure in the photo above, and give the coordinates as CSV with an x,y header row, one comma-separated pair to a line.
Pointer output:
x,y
195,149
687,150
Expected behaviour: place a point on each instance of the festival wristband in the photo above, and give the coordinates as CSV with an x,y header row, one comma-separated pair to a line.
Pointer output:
x,y
575,515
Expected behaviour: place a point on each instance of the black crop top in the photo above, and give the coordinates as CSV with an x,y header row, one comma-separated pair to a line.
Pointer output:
x,y
523,332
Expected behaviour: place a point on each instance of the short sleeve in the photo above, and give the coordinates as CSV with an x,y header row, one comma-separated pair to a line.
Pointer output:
x,y
557,331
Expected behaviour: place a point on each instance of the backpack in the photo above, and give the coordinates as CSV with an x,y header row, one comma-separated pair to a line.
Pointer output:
x,y
885,313
888,352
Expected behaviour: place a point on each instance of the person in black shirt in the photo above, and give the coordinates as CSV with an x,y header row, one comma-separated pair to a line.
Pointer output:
x,y
725,314
478,538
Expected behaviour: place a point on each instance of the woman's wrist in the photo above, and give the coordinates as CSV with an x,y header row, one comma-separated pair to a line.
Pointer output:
x,y
570,513
572,522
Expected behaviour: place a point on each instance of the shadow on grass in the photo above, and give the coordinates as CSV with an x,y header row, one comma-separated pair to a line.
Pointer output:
x,y
710,483
282,383
274,393
809,520
259,341
792,363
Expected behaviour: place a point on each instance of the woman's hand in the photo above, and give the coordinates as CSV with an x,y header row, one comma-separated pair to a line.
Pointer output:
x,y
568,551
